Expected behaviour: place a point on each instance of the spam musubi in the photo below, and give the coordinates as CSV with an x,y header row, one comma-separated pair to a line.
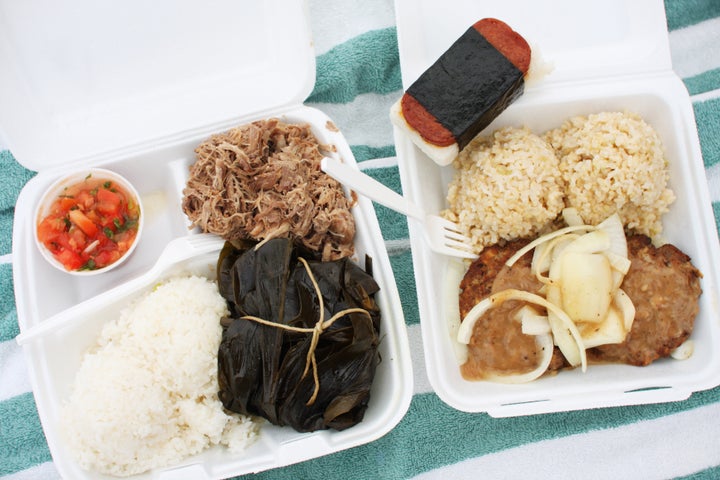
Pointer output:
x,y
464,90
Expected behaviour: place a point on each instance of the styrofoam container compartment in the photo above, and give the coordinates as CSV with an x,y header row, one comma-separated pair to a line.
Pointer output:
x,y
136,97
606,56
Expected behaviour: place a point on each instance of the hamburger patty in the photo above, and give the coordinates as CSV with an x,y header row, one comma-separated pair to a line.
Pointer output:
x,y
498,344
665,288
662,283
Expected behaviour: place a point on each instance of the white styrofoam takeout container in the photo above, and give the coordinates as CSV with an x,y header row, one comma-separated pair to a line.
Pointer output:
x,y
134,88
606,56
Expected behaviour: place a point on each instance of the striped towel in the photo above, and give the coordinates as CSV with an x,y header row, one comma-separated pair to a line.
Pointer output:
x,y
358,77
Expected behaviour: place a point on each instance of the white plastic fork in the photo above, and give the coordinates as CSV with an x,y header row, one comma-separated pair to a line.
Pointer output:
x,y
443,236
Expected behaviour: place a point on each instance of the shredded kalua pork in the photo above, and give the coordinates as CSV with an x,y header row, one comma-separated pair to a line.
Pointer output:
x,y
263,180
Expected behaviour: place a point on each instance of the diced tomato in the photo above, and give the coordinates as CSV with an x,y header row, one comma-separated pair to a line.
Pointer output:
x,y
66,203
84,200
106,257
83,222
109,203
109,198
78,239
70,260
50,228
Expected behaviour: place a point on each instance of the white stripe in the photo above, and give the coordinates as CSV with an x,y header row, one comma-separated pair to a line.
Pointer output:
x,y
7,258
694,49
13,371
341,20
365,120
667,447
395,247
702,97
417,353
713,177
44,471
386,162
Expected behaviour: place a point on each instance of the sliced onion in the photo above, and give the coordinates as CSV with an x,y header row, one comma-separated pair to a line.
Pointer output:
x,y
611,330
533,323
549,236
586,285
547,253
541,260
565,333
92,246
684,351
545,344
626,307
592,242
565,324
618,262
614,228
572,217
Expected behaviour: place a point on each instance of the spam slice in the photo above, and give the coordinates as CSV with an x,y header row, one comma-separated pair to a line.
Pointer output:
x,y
464,90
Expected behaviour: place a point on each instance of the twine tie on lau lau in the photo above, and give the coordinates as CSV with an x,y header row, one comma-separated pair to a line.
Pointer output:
x,y
316,331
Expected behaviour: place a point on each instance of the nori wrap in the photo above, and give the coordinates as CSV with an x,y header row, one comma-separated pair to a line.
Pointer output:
x,y
460,94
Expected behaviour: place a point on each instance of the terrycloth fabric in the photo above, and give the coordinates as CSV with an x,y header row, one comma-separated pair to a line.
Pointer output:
x,y
358,78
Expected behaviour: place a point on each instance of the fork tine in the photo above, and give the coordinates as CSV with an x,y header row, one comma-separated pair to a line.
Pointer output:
x,y
460,248
455,252
457,236
447,238
447,224
452,243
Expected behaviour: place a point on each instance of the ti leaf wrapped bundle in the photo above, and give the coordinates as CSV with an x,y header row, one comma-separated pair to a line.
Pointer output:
x,y
300,346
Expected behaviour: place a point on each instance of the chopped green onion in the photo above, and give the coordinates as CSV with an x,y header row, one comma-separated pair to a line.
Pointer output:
x,y
89,265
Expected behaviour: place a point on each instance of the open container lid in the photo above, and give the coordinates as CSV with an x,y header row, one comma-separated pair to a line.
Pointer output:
x,y
85,79
608,37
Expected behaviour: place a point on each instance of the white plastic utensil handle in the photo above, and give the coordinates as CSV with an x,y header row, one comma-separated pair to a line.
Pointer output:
x,y
176,251
371,188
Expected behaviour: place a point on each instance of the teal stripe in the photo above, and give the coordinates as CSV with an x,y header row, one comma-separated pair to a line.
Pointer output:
x,y
366,63
704,82
683,13
716,211
6,225
392,224
15,176
709,474
22,442
365,152
402,267
707,115
433,435
8,315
